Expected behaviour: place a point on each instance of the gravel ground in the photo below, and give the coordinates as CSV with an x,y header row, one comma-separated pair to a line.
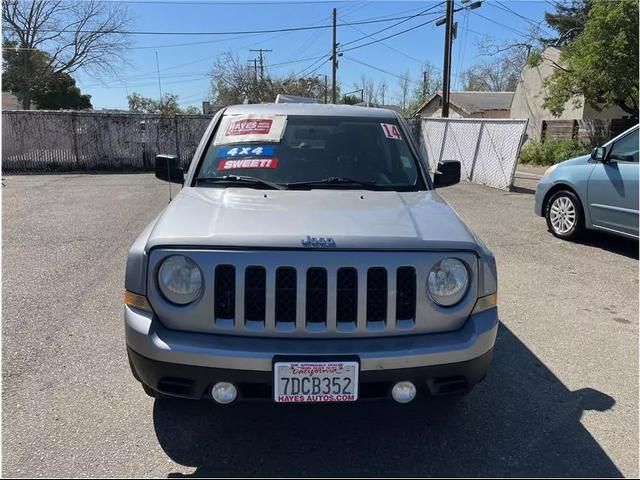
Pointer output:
x,y
561,398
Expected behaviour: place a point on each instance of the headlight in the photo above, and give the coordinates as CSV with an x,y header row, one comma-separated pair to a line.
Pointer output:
x,y
180,279
448,282
550,170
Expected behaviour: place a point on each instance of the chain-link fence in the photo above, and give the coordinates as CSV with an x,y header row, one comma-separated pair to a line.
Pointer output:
x,y
50,141
487,149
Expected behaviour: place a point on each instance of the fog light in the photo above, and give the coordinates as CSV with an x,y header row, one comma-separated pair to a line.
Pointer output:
x,y
403,392
224,392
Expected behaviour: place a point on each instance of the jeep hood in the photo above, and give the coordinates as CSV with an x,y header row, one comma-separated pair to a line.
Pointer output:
x,y
355,219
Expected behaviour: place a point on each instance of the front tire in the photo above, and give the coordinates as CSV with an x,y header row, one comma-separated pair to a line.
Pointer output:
x,y
564,215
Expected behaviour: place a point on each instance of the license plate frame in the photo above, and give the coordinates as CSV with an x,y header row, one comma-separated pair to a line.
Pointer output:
x,y
319,368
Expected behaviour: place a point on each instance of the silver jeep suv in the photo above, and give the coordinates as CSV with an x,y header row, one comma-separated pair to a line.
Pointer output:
x,y
308,258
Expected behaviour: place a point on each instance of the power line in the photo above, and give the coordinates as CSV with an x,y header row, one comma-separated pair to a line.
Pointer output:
x,y
210,3
421,13
390,36
393,48
505,8
500,24
370,35
381,70
241,32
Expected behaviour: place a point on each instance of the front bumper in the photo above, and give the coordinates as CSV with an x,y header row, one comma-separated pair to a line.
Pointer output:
x,y
185,364
542,188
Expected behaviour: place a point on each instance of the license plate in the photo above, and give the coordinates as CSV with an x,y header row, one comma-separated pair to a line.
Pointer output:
x,y
300,382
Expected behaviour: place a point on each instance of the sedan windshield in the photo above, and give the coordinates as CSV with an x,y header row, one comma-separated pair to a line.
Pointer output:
x,y
305,152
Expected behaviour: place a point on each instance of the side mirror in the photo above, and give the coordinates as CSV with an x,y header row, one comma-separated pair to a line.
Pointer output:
x,y
448,173
598,154
168,169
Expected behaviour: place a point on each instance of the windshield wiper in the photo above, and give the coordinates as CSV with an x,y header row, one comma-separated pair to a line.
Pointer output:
x,y
240,179
332,181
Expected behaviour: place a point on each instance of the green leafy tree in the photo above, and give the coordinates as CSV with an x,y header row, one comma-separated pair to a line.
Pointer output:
x,y
60,92
601,64
568,20
351,99
75,34
167,106
49,90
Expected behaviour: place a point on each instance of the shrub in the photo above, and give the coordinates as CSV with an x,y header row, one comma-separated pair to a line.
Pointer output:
x,y
550,151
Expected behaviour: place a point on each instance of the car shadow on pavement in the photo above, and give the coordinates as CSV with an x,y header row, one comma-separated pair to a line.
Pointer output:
x,y
521,421
611,243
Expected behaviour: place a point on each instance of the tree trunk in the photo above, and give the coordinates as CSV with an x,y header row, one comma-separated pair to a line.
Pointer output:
x,y
633,111
26,83
26,99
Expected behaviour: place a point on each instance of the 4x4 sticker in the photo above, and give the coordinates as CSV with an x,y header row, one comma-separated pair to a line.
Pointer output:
x,y
248,163
391,131
251,151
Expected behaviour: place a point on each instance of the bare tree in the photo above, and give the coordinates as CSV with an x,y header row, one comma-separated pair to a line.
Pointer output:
x,y
234,82
500,74
404,89
430,82
87,34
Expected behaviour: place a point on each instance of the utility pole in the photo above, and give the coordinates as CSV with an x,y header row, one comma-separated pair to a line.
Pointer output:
x,y
449,35
261,51
383,87
255,69
159,84
334,57
424,84
326,88
448,44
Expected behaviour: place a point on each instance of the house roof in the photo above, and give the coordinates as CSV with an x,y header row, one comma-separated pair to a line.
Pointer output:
x,y
475,102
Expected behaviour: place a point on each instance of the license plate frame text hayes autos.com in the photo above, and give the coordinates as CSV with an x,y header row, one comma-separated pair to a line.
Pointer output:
x,y
305,381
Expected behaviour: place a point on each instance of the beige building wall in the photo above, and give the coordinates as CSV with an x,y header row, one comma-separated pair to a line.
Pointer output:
x,y
434,110
530,93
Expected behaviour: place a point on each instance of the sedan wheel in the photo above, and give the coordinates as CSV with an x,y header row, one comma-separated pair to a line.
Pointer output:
x,y
564,215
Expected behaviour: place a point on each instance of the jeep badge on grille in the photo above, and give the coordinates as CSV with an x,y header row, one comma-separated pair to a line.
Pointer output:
x,y
318,242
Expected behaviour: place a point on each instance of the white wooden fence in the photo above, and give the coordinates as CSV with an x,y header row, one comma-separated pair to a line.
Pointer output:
x,y
49,141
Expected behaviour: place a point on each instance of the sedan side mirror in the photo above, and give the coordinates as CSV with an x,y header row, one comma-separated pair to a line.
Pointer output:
x,y
168,169
448,173
599,154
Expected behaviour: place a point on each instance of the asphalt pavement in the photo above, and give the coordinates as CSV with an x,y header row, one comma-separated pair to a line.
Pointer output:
x,y
561,398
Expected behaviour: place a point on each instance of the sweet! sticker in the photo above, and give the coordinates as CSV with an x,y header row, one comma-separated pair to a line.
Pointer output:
x,y
248,163
391,131
246,151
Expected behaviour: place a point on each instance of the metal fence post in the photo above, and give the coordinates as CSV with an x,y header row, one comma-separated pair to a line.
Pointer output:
x,y
444,142
177,137
477,151
74,137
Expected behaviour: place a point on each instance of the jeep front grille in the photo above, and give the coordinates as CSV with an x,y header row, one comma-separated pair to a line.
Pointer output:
x,y
312,294
317,293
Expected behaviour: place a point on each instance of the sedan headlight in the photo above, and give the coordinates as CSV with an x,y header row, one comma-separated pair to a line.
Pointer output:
x,y
448,282
180,279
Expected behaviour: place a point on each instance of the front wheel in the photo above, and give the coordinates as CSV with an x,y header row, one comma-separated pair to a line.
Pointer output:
x,y
564,215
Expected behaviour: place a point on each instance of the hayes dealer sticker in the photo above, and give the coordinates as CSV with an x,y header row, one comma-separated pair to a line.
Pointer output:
x,y
250,128
248,163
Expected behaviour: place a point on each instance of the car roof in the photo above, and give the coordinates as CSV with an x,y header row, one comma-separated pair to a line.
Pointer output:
x,y
310,109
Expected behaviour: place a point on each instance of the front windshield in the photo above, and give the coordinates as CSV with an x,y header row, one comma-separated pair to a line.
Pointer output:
x,y
311,152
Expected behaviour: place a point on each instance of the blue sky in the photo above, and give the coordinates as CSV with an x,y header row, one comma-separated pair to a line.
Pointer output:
x,y
185,60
